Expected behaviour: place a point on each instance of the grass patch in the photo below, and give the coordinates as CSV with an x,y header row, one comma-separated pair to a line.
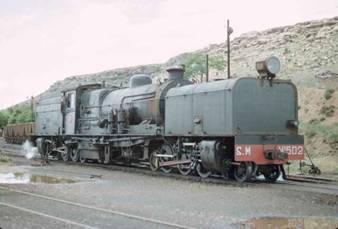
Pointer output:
x,y
310,134
4,158
18,174
292,168
333,138
328,93
315,128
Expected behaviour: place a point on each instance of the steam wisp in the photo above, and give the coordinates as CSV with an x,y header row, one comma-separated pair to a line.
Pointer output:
x,y
29,150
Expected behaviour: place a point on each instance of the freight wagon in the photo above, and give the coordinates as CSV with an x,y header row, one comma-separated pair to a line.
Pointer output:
x,y
18,133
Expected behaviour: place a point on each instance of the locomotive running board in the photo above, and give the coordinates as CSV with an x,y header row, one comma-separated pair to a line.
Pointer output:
x,y
173,163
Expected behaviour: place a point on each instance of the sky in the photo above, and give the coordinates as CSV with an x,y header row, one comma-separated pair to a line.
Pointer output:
x,y
43,41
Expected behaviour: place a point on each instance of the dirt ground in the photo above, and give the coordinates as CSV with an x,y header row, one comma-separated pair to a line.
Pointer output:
x,y
187,203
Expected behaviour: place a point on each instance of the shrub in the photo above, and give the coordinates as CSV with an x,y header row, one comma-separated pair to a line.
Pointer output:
x,y
195,64
314,120
16,114
328,111
3,119
328,93
4,158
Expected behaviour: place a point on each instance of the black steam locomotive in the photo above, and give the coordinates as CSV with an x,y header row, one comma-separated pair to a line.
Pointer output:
x,y
239,127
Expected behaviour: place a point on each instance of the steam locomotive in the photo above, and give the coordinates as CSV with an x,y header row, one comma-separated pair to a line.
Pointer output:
x,y
237,128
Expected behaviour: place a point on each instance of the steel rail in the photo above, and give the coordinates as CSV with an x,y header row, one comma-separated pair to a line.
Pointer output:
x,y
46,215
113,212
143,169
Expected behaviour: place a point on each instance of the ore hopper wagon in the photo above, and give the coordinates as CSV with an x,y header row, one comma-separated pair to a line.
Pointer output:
x,y
18,133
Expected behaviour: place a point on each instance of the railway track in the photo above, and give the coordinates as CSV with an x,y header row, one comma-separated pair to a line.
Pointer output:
x,y
324,185
72,212
310,179
138,169
14,152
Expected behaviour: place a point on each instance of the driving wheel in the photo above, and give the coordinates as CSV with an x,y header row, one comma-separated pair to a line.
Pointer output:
x,y
153,161
185,169
167,150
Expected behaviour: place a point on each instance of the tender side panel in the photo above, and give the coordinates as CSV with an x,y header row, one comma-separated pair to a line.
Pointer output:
x,y
200,110
209,113
48,117
261,107
178,112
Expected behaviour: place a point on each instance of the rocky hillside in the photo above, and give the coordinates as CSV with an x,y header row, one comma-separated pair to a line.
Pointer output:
x,y
309,56
308,52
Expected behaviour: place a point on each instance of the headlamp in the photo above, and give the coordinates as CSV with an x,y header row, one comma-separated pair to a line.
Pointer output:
x,y
270,66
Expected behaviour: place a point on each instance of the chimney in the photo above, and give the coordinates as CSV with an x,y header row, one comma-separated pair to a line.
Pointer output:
x,y
176,73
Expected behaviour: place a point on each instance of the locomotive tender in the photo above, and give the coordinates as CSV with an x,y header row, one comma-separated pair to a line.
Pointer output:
x,y
238,128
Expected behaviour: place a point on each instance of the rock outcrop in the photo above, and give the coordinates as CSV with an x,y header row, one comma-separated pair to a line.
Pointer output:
x,y
303,47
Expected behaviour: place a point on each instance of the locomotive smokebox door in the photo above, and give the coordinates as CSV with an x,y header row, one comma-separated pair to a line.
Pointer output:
x,y
197,126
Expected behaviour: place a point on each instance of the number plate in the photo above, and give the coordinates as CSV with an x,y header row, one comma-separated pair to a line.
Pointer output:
x,y
255,153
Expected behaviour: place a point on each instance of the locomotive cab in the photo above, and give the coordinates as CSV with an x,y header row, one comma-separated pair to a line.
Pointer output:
x,y
71,106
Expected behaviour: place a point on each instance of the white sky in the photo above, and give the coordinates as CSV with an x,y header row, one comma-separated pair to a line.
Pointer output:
x,y
44,41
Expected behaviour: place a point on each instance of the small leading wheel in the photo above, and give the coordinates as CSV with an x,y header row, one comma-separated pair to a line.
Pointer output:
x,y
272,174
74,154
201,171
153,161
185,169
243,171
